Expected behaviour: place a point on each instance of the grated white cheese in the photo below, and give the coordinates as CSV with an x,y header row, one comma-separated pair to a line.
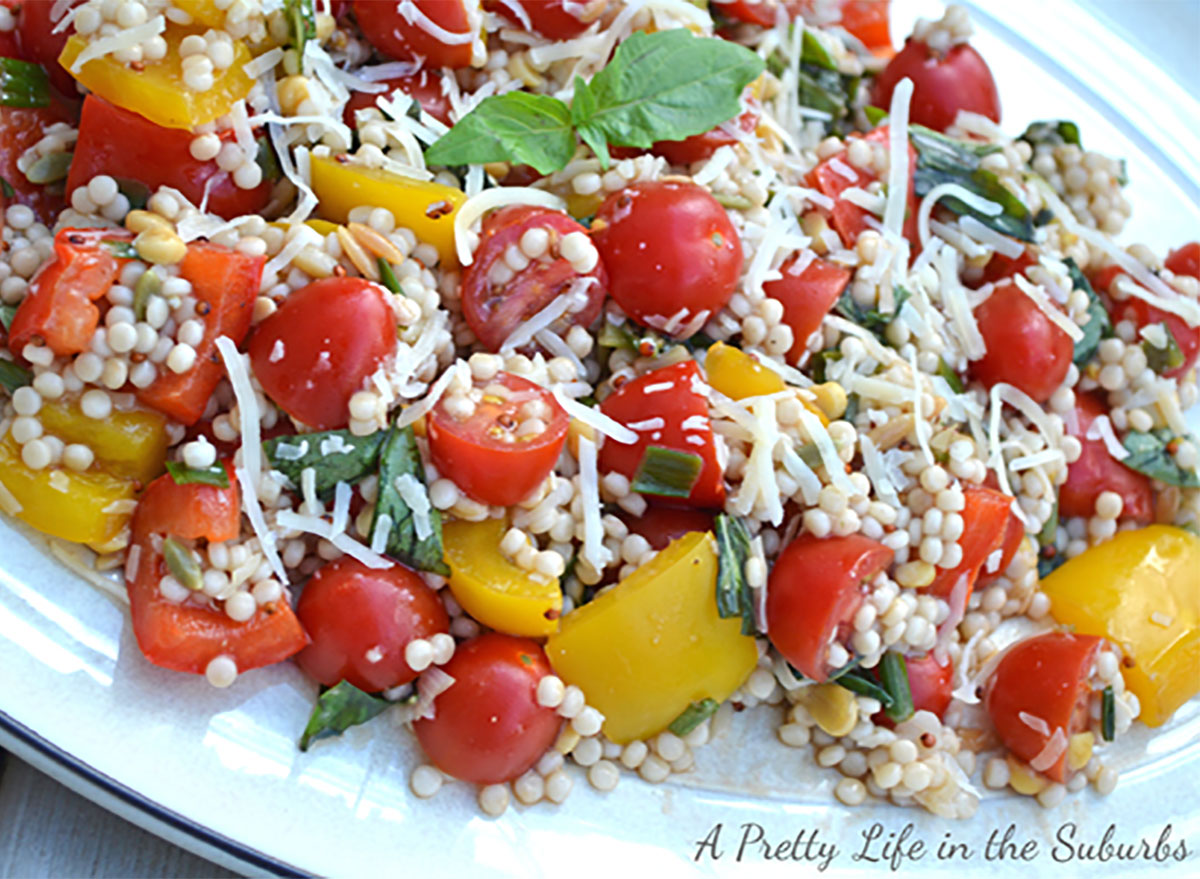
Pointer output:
x,y
341,506
897,178
594,551
379,537
1048,308
416,498
1101,429
983,205
595,419
1002,244
876,472
418,410
920,425
1035,723
343,541
834,467
476,206
123,39
954,300
1054,748
1161,619
257,66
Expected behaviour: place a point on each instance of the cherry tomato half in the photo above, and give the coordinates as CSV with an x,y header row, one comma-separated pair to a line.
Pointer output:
x,y
425,86
660,525
1042,678
440,31
21,128
986,513
943,84
664,409
360,621
1024,347
496,300
673,257
553,19
1185,260
484,453
318,349
699,147
814,590
760,12
1096,471
39,42
488,726
930,684
807,296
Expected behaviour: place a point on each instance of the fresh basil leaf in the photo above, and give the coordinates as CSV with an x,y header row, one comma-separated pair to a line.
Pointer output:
x,y
338,709
387,277
334,455
399,458
893,674
1054,133
7,313
13,376
733,592
23,84
302,22
1164,359
182,474
1098,325
266,159
135,191
513,127
667,85
875,115
1108,714
667,472
1150,454
121,249
952,378
942,159
694,715
6,188
826,91
813,51
871,318
858,681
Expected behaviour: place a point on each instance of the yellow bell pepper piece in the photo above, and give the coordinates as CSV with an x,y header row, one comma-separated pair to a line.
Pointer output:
x,y
203,12
64,503
645,650
127,444
494,590
157,91
321,227
737,375
425,207
1141,590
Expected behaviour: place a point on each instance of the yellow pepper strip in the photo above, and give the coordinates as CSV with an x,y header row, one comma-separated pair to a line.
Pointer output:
x,y
426,208
646,649
203,12
1141,590
128,445
737,375
494,590
321,227
81,507
157,91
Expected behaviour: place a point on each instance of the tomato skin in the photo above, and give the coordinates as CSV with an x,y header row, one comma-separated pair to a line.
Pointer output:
x,y
187,637
814,588
122,144
488,726
931,686
551,18
701,146
677,405
660,525
760,12
490,470
986,516
1096,471
35,30
1142,313
1000,267
425,85
393,35
348,609
806,298
1010,542
1024,347
1045,676
1185,260
868,20
21,128
942,84
58,307
227,281
494,311
334,333
669,247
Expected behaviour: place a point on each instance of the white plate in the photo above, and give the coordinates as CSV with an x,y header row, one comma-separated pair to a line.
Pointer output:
x,y
218,771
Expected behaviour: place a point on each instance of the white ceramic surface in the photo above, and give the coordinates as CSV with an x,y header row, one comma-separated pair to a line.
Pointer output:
x,y
219,772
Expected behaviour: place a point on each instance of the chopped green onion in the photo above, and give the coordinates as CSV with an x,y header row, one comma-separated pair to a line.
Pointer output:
x,y
893,674
845,669
1049,532
694,715
23,84
952,378
875,115
13,376
813,51
185,475
733,592
7,313
183,564
148,284
302,20
266,159
1108,714
856,681
1164,359
667,472
735,202
387,277
50,168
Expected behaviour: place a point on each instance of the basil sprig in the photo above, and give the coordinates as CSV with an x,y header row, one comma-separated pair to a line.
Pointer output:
x,y
667,85
1150,453
182,474
667,472
23,84
1098,325
942,159
733,592
338,709
335,456
399,457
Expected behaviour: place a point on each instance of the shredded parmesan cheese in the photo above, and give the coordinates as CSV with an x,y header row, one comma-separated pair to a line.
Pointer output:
x,y
897,179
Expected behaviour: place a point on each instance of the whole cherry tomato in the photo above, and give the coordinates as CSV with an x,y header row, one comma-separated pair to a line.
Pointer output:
x,y
488,726
943,84
1024,347
1096,471
440,31
320,346
673,257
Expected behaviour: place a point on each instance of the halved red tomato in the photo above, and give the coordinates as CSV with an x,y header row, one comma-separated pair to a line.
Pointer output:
x,y
1024,347
807,296
986,515
438,31
699,147
553,19
1096,471
425,86
660,525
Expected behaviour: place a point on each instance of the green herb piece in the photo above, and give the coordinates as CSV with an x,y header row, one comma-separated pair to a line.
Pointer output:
x,y
6,188
302,22
826,91
820,361
266,159
399,458
1108,714
23,84
667,472
1164,359
121,249
13,376
952,378
694,715
859,682
148,284
185,475
813,51
1098,325
942,159
853,401
513,127
7,313
136,192
334,455
850,666
1049,560
1055,133
732,201
733,592
1151,454
893,674
49,168
871,318
183,564
875,115
338,709
387,277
